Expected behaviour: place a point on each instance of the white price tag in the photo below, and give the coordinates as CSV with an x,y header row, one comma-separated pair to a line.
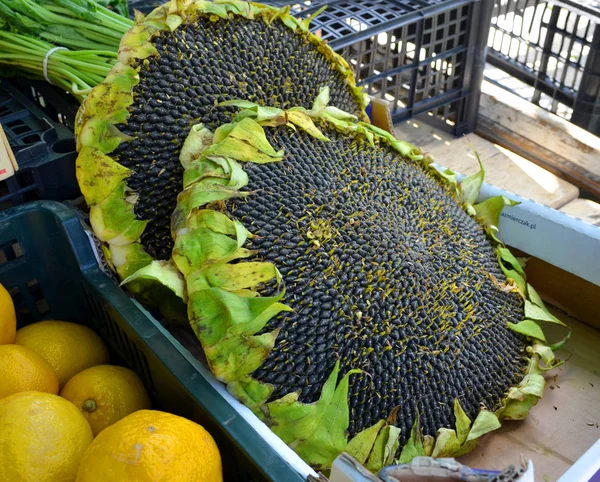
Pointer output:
x,y
99,255
8,163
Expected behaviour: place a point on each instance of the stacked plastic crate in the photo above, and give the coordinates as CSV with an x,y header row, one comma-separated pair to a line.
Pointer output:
x,y
550,50
426,57
51,272
43,148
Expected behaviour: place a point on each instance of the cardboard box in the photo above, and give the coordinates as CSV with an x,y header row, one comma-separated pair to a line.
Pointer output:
x,y
564,266
587,468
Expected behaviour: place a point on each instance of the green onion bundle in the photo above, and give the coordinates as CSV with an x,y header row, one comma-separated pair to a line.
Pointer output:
x,y
69,43
76,71
76,24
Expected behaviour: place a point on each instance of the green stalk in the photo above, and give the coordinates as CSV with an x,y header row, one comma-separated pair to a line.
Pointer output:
x,y
72,75
105,64
28,42
31,63
112,21
116,17
102,53
113,26
98,10
20,48
102,39
78,44
90,32
81,69
56,19
80,77
85,65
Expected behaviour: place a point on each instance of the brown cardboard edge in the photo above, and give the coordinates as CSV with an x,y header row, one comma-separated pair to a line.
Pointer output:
x,y
574,295
380,115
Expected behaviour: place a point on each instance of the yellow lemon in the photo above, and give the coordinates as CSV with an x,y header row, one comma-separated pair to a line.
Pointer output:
x,y
105,394
150,445
42,438
68,347
22,369
8,318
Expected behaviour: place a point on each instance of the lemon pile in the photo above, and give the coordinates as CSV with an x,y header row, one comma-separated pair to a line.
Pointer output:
x,y
67,415
68,347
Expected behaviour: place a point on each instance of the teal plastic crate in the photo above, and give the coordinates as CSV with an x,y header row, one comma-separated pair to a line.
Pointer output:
x,y
49,266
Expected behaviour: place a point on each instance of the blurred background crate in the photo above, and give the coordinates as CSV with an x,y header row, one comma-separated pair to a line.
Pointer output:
x,y
548,52
426,57
43,148
56,104
144,6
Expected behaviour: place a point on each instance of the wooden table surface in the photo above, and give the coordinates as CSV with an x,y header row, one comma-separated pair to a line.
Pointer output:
x,y
504,169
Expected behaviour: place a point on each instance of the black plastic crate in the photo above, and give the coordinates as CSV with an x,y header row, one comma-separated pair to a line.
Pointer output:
x,y
144,6
44,150
49,267
551,51
426,57
56,104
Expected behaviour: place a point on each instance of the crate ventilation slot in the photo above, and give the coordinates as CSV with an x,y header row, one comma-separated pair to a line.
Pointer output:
x,y
121,343
10,251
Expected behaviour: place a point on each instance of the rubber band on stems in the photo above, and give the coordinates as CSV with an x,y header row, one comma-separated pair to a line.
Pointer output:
x,y
45,64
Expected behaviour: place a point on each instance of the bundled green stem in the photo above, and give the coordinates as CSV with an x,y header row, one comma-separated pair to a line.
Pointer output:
x,y
89,32
76,24
74,70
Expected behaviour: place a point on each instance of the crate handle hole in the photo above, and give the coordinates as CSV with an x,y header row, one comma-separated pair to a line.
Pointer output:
x,y
10,251
32,283
31,139
64,146
20,129
15,123
14,292
35,290
42,307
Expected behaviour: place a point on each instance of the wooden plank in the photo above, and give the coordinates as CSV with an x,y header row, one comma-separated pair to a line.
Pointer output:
x,y
460,156
584,209
542,127
443,145
540,136
421,135
550,161
504,169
